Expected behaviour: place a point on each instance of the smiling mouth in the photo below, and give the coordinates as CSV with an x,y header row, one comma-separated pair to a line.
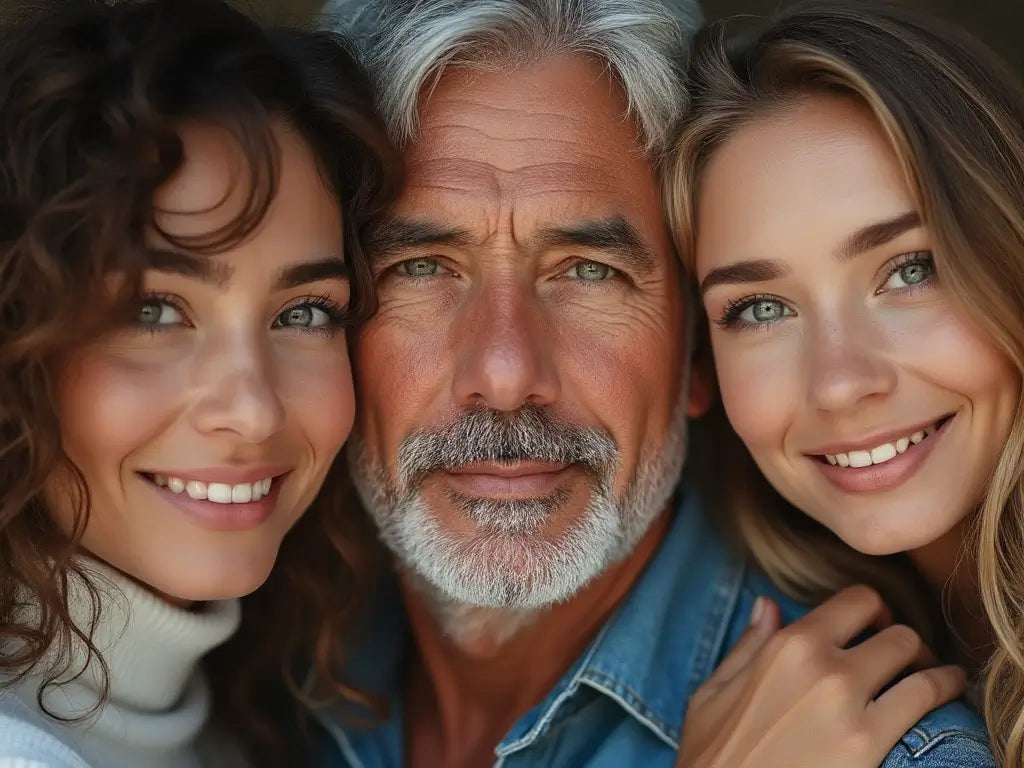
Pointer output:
x,y
884,452
218,493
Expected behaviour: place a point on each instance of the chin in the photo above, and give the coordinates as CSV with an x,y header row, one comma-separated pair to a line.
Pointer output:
x,y
222,581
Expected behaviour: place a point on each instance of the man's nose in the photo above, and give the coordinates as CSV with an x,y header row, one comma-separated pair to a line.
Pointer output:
x,y
506,352
237,393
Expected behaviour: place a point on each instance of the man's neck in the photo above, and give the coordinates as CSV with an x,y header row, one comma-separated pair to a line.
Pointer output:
x,y
465,693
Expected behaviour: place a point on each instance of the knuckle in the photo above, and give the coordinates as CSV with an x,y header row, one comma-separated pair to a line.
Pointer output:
x,y
905,639
865,596
796,649
925,688
837,686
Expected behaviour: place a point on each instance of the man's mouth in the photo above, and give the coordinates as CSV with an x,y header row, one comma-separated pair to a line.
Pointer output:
x,y
883,452
512,480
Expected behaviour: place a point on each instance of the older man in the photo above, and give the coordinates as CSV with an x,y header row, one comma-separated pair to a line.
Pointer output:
x,y
524,394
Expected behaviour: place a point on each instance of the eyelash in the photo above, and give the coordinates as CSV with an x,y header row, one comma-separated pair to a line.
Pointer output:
x,y
733,310
338,316
907,259
731,314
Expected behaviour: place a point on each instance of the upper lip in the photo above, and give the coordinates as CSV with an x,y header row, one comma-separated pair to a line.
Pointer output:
x,y
229,474
510,469
867,443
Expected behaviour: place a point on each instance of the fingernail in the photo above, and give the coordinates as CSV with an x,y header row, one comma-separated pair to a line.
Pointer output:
x,y
756,611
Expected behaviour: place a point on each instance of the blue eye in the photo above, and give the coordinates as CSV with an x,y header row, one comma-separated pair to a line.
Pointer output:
x,y
754,312
763,311
915,270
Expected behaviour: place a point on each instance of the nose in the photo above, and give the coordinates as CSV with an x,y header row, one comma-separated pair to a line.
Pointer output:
x,y
237,393
506,358
849,365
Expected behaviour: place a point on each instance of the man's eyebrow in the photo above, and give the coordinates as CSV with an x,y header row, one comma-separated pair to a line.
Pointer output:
x,y
758,271
399,234
189,265
876,235
329,268
613,235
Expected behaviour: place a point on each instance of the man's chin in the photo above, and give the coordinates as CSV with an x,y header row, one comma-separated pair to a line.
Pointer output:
x,y
480,565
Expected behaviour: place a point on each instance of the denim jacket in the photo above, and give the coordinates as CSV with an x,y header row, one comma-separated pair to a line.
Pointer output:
x,y
624,700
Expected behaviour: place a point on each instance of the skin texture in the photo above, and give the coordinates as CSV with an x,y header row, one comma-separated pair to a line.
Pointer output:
x,y
859,351
864,342
503,320
240,372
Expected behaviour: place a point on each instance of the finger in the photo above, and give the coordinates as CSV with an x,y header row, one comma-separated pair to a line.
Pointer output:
x,y
845,615
765,620
897,710
882,657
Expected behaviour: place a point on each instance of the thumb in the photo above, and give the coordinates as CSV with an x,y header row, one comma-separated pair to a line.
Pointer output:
x,y
765,621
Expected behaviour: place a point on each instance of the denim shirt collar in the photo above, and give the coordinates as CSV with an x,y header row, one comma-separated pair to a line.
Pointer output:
x,y
658,646
663,640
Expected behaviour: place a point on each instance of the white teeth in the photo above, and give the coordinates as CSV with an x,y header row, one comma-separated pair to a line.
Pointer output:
x,y
242,494
196,489
879,454
860,458
883,453
219,493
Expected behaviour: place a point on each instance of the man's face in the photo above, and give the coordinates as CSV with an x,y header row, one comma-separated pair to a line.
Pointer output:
x,y
522,392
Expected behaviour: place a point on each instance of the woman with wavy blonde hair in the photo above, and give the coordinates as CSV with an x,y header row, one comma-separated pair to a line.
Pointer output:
x,y
849,193
182,194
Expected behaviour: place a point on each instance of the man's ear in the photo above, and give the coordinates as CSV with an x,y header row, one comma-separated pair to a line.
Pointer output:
x,y
703,387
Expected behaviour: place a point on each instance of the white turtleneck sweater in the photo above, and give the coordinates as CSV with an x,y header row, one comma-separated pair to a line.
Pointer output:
x,y
158,704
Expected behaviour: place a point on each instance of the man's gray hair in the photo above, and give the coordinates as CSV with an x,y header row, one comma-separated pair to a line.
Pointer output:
x,y
406,44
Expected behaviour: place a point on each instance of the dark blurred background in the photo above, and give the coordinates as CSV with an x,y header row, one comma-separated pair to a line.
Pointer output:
x,y
999,22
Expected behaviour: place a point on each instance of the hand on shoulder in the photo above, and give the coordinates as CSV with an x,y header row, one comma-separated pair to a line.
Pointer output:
x,y
803,695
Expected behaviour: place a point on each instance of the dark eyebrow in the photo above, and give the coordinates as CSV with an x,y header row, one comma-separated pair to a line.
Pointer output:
x,y
398,234
743,272
613,235
876,235
188,265
219,274
330,268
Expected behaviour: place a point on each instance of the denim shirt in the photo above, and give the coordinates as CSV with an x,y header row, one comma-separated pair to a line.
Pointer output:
x,y
623,702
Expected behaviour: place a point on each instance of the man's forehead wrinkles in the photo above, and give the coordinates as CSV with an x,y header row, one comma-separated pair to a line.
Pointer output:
x,y
477,177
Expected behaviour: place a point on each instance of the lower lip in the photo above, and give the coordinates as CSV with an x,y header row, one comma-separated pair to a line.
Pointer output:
x,y
529,486
222,517
878,478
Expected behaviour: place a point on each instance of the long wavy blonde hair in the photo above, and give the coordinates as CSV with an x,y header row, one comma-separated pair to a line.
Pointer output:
x,y
954,115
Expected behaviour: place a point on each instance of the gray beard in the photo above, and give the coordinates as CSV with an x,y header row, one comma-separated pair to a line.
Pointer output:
x,y
498,579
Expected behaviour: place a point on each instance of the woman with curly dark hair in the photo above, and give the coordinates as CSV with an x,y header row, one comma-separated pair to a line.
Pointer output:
x,y
181,199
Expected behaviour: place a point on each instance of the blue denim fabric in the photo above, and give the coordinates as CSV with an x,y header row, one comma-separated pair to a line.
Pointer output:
x,y
623,701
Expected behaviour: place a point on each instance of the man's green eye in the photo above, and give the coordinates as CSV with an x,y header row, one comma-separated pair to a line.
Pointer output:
x,y
419,267
592,271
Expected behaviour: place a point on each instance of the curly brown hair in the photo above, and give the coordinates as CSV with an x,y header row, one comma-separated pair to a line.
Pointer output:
x,y
92,96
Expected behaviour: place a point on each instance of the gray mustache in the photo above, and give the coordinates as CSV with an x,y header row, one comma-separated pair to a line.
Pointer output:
x,y
531,433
